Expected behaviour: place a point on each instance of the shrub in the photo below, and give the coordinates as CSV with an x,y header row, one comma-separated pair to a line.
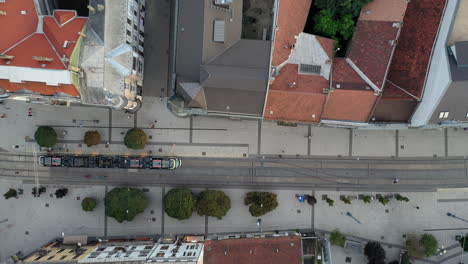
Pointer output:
x,y
213,203
429,243
88,204
92,138
260,202
414,246
400,197
45,136
329,201
367,199
375,253
135,138
124,203
337,238
384,200
179,203
10,194
345,199
60,193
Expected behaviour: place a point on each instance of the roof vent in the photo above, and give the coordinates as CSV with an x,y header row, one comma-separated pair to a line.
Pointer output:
x,y
292,84
309,69
23,12
277,250
271,112
338,86
43,65
65,44
368,11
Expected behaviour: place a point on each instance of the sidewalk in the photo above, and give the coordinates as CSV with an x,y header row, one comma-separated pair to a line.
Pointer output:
x,y
221,137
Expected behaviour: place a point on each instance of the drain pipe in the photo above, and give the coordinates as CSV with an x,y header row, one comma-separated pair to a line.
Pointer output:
x,y
174,47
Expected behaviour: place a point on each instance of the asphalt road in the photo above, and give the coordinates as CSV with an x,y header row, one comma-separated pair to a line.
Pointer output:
x,y
280,173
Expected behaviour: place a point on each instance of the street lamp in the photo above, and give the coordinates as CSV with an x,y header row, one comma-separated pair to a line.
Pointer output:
x,y
354,218
454,216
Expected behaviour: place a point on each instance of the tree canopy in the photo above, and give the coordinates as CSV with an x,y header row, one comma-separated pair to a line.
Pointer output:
x,y
213,203
375,253
45,136
337,238
430,244
10,194
92,138
135,138
124,203
179,203
88,204
260,202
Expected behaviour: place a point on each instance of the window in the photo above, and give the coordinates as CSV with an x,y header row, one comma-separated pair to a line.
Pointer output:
x,y
129,33
141,43
443,114
129,21
309,69
134,63
135,13
135,27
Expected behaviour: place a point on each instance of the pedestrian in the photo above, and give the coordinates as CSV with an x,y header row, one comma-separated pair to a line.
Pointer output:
x,y
417,207
396,180
152,126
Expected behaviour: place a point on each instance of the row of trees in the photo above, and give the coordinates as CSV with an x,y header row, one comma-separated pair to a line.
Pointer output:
x,y
135,138
13,193
368,199
180,203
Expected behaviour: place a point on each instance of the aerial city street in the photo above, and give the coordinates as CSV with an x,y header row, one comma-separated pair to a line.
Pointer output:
x,y
233,131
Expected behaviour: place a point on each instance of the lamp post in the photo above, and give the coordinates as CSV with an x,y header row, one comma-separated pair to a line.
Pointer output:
x,y
354,218
454,216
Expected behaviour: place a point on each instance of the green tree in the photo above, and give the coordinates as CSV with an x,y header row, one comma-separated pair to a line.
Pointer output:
x,y
463,243
367,199
45,136
337,238
375,253
329,201
124,203
400,197
346,26
384,200
88,204
430,244
213,203
179,203
345,199
135,138
260,202
10,194
325,23
92,138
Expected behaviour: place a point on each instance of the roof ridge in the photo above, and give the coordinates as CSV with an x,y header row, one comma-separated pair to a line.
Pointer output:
x,y
19,42
55,50
217,55
362,75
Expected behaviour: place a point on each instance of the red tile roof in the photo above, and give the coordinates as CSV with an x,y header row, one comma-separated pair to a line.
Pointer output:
x,y
35,45
68,32
23,42
14,26
294,106
305,83
350,105
62,16
345,76
292,16
412,55
370,48
40,88
278,250
327,44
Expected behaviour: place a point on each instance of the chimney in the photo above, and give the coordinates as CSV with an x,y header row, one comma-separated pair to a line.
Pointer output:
x,y
91,9
46,59
6,57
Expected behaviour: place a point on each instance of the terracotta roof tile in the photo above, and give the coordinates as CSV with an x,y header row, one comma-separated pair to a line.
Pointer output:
x,y
345,76
294,106
327,45
412,55
305,83
292,16
35,45
350,105
370,48
15,26
59,34
63,16
278,250
40,88
384,10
